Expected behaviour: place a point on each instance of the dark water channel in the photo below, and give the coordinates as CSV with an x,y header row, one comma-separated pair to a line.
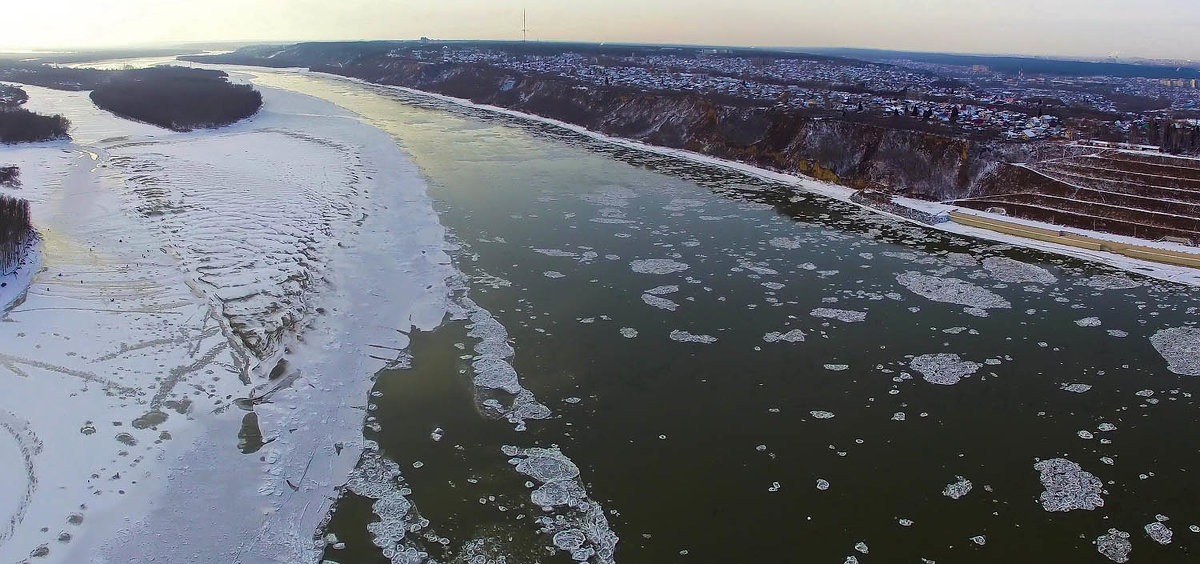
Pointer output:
x,y
700,421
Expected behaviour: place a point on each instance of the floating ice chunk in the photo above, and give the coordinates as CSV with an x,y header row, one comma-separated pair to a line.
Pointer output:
x,y
1068,487
1118,333
578,524
1076,388
957,489
570,539
379,479
1114,545
494,372
784,243
861,547
1111,282
842,315
662,290
793,336
837,367
851,560
553,274
660,303
773,285
1180,347
1106,427
437,434
821,414
657,266
822,484
685,337
899,416
1088,322
629,332
1008,270
1085,435
979,540
905,522
951,291
556,253
943,368
1159,532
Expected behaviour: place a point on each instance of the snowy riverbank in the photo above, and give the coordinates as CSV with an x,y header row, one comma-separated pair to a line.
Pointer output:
x,y
176,268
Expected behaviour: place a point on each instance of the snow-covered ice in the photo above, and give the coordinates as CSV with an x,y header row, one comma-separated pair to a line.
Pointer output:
x,y
179,271
845,316
944,368
1180,346
1068,486
657,266
951,291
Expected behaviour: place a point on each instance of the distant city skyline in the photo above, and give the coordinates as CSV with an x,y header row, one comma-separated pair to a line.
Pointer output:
x,y
1162,29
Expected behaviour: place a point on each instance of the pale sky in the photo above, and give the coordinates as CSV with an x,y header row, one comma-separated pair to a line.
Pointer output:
x,y
1129,28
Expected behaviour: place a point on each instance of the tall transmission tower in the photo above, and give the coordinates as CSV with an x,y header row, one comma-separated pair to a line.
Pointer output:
x,y
524,27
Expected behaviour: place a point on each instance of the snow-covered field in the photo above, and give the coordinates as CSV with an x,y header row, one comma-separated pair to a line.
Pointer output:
x,y
187,279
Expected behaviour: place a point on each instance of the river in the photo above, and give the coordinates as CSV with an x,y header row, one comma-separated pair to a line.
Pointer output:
x,y
742,372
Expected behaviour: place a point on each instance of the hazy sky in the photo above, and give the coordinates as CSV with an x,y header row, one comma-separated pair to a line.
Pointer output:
x,y
1147,28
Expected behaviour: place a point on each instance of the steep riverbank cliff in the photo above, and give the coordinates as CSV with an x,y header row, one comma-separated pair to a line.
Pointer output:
x,y
916,160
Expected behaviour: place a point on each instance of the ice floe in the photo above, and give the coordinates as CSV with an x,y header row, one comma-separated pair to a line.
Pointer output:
x,y
944,368
1114,545
842,315
1068,486
1159,532
493,370
1005,269
575,523
685,337
659,302
793,336
952,291
957,489
1180,346
1088,322
657,266
662,290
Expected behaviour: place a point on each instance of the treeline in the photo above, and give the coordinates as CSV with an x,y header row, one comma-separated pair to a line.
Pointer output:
x,y
11,96
1169,136
58,78
23,126
10,176
177,98
15,230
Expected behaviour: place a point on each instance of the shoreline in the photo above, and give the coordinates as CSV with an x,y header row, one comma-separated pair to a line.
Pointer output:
x,y
1168,273
117,361
18,281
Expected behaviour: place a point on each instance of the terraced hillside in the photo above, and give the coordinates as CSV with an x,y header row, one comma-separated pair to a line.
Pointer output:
x,y
1145,195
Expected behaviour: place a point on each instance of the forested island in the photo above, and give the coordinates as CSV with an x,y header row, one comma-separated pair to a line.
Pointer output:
x,y
18,125
176,98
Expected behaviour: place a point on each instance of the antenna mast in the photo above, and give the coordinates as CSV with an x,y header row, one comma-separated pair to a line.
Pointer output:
x,y
524,27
